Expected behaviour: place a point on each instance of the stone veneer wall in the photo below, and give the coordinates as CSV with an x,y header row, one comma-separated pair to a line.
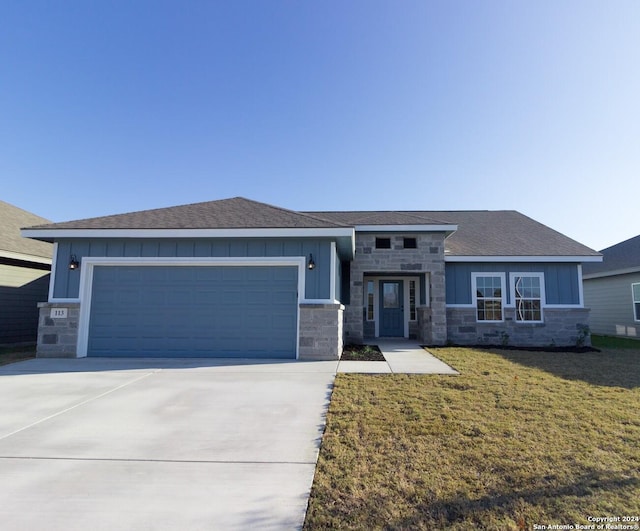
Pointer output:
x,y
424,325
562,327
321,333
428,258
58,337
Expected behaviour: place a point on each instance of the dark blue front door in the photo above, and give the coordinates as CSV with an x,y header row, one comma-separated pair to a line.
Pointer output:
x,y
391,308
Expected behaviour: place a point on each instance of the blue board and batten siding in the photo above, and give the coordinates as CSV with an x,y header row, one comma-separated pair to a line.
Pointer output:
x,y
194,311
562,280
317,281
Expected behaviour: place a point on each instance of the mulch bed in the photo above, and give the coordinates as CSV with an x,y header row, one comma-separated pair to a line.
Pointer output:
x,y
361,353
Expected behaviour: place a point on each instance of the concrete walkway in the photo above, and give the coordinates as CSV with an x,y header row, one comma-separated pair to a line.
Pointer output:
x,y
402,356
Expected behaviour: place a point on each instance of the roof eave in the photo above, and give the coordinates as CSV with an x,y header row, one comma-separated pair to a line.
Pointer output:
x,y
25,257
612,273
345,236
522,258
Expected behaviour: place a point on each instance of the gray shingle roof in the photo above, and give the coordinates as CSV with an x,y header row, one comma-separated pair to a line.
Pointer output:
x,y
480,232
380,217
235,213
12,219
621,256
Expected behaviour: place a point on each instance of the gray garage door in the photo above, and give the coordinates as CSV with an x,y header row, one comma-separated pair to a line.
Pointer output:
x,y
193,311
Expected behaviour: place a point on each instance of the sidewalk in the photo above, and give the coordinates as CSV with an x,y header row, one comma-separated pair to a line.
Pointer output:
x,y
402,356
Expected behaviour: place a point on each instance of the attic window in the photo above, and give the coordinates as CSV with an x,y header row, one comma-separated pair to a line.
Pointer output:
x,y
383,243
410,243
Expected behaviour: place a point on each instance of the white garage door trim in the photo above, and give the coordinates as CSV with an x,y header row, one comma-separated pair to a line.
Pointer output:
x,y
88,263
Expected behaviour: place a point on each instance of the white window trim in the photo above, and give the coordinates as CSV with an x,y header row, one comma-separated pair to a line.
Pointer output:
x,y
634,302
474,292
89,262
512,291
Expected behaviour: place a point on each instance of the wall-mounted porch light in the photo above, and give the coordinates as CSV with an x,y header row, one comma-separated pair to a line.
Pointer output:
x,y
73,263
311,264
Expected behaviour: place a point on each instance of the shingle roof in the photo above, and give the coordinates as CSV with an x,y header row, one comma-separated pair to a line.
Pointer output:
x,y
480,232
235,213
12,219
621,256
380,217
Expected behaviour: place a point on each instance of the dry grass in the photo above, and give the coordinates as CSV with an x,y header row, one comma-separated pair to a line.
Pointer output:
x,y
520,438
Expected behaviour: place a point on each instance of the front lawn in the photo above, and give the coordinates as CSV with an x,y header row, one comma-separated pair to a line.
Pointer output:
x,y
614,342
518,439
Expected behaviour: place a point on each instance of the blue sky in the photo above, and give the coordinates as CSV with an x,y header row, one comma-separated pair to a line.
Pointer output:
x,y
110,107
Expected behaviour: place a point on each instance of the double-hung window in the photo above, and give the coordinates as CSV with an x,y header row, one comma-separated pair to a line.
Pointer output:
x,y
635,288
489,291
527,296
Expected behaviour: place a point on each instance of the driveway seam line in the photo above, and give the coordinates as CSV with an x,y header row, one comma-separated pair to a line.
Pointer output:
x,y
74,406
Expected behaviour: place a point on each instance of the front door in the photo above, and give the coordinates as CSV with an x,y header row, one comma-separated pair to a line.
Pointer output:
x,y
391,308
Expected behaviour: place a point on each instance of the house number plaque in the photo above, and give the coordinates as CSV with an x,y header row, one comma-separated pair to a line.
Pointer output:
x,y
58,313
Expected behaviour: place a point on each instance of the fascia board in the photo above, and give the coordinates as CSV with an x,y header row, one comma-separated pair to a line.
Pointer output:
x,y
51,234
450,258
626,271
25,257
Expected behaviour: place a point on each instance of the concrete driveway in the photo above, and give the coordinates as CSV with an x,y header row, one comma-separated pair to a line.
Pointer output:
x,y
104,444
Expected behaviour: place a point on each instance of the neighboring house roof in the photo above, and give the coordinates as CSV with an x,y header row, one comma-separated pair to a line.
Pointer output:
x,y
12,244
624,257
480,233
473,234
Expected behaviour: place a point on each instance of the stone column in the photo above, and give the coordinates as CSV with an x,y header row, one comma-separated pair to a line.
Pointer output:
x,y
321,332
58,334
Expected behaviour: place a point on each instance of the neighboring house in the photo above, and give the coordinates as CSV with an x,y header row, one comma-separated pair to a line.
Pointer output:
x,y
612,290
240,278
24,276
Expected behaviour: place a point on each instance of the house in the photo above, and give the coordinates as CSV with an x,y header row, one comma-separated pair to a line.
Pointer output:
x,y
612,290
24,276
236,277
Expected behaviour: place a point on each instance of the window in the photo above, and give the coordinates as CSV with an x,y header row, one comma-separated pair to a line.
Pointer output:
x,y
489,292
391,295
383,243
370,292
410,243
412,301
635,288
527,294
